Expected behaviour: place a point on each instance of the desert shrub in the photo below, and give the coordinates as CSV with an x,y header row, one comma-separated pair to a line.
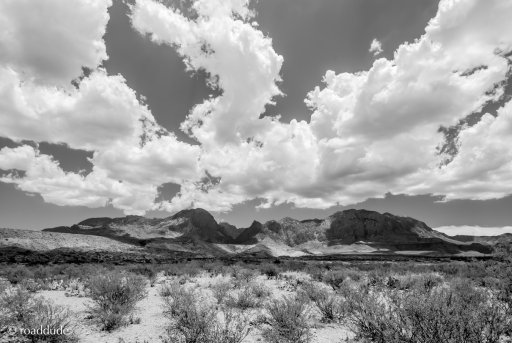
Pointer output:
x,y
331,307
149,271
17,273
114,297
366,313
21,309
316,271
190,322
329,304
4,284
421,282
490,282
243,275
15,304
376,278
291,265
233,327
221,290
334,278
458,313
428,281
168,289
259,289
269,270
76,288
287,320
214,268
196,321
312,290
190,269
30,285
243,299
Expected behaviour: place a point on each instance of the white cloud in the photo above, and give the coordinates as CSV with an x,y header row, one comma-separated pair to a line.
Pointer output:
x,y
375,47
132,156
103,111
483,165
371,132
239,58
50,41
474,230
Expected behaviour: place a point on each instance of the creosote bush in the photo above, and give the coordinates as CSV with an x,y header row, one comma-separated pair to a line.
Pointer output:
x,y
287,321
270,270
329,304
193,320
21,309
114,297
243,299
221,290
446,314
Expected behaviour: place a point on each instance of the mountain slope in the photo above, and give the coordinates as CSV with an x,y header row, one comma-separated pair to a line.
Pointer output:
x,y
357,230
196,224
196,231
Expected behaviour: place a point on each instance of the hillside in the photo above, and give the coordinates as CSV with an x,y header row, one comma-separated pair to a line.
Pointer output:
x,y
44,241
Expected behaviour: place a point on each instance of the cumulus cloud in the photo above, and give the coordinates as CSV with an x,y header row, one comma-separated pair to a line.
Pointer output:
x,y
132,154
375,47
50,41
474,230
238,57
371,132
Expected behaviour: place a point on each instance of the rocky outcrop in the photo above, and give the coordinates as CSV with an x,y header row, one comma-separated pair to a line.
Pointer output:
x,y
384,232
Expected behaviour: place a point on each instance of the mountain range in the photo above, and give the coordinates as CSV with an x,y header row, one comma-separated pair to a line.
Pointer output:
x,y
195,232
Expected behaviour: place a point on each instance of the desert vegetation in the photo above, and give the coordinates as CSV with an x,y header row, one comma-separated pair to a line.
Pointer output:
x,y
271,301
114,297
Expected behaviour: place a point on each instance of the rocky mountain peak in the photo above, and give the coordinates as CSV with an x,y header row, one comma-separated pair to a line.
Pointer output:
x,y
373,230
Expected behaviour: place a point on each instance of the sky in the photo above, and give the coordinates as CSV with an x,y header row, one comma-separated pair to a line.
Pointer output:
x,y
256,110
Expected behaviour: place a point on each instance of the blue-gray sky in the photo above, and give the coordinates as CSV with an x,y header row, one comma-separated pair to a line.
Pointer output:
x,y
312,37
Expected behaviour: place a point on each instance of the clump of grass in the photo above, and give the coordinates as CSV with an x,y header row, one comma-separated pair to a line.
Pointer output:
x,y
114,296
287,321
